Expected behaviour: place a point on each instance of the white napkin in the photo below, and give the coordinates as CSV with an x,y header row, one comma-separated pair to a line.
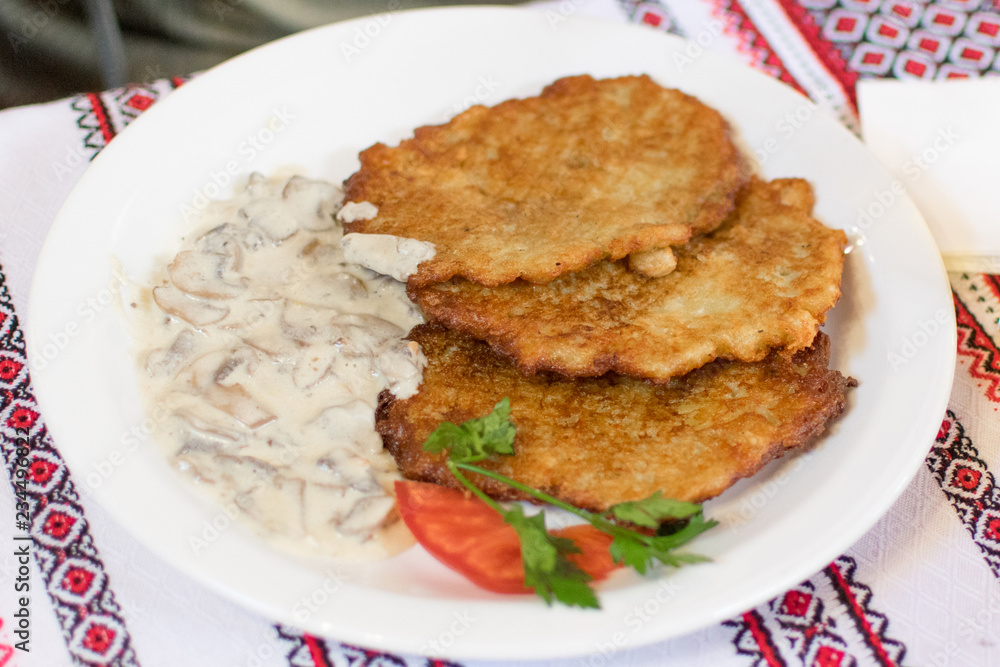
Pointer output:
x,y
941,141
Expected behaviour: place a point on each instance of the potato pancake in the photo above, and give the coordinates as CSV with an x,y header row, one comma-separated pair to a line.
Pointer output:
x,y
764,280
538,187
595,442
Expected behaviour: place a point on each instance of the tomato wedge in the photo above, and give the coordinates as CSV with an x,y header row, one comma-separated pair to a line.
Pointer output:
x,y
595,558
471,538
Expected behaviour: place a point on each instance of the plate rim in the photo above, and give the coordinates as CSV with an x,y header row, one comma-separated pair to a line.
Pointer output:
x,y
558,649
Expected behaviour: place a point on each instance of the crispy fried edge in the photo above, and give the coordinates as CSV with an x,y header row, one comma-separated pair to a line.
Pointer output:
x,y
399,438
734,172
793,192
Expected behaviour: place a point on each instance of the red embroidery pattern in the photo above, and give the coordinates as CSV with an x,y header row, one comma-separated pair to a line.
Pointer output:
x,y
653,14
6,651
872,625
752,43
825,621
975,344
103,115
759,639
305,650
71,568
907,39
832,59
969,485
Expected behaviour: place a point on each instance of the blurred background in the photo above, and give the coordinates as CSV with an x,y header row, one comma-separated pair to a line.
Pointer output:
x,y
55,48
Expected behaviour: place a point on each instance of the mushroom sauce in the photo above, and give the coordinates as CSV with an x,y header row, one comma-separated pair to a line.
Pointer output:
x,y
263,352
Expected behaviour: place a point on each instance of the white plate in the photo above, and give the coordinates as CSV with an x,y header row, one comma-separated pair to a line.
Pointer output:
x,y
314,100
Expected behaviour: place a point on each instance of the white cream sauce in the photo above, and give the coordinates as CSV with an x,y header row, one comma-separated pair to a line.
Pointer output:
x,y
266,350
386,254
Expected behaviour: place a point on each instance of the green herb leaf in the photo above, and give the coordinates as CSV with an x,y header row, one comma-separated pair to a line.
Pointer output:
x,y
639,551
695,527
546,568
631,550
652,511
476,439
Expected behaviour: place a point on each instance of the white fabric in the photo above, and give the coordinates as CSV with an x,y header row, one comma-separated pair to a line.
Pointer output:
x,y
927,575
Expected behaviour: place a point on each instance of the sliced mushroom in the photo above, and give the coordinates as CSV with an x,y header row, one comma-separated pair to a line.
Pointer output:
x,y
224,240
191,309
214,376
197,472
248,467
195,429
276,507
217,367
312,202
168,361
333,467
350,286
368,514
323,505
270,340
237,402
248,314
252,239
306,323
364,335
270,218
352,423
317,252
198,417
197,446
327,290
241,359
313,364
257,184
347,420
202,274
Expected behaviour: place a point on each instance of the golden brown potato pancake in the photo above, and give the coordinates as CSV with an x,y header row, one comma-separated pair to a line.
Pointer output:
x,y
534,188
595,442
765,279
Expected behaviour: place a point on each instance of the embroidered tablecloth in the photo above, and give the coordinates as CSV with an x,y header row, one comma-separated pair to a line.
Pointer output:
x,y
920,588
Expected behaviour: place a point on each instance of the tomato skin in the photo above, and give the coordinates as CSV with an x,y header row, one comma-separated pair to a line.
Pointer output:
x,y
595,545
471,538
464,533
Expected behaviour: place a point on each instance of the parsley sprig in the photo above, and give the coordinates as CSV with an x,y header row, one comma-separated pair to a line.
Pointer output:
x,y
547,570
